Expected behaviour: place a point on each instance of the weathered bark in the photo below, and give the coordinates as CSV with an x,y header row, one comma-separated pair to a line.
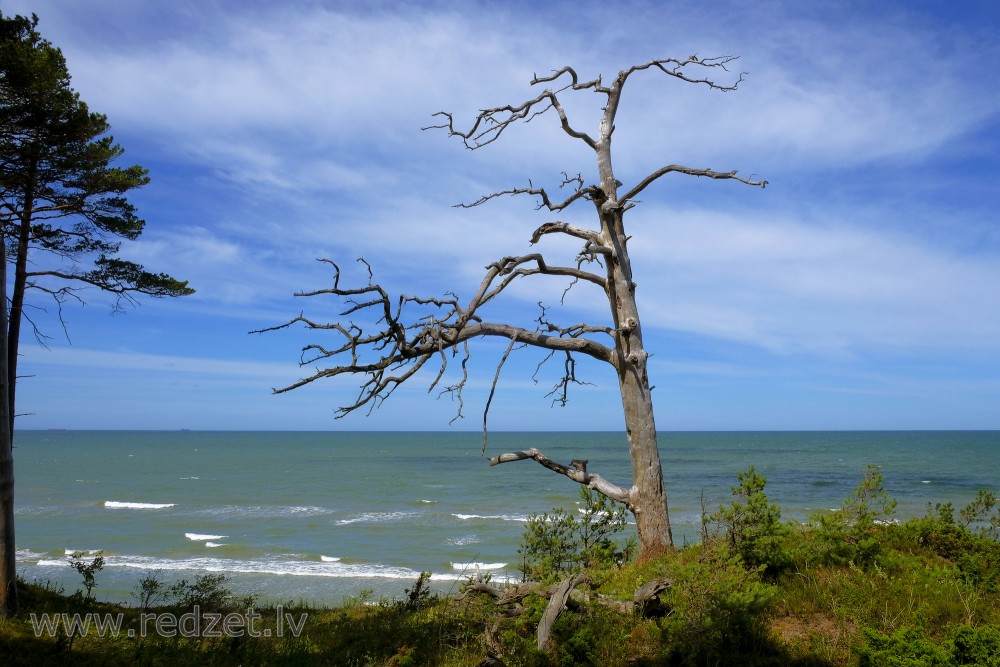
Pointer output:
x,y
647,596
555,607
8,551
576,473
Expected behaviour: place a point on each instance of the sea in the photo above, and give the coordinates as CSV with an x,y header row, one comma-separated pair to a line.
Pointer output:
x,y
324,517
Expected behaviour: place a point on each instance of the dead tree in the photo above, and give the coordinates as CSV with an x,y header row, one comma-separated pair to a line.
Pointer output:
x,y
410,332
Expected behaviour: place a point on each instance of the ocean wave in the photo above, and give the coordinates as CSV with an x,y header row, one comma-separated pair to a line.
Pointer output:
x,y
85,552
114,504
272,566
198,537
462,541
329,559
501,517
213,545
265,511
375,517
326,567
497,578
478,566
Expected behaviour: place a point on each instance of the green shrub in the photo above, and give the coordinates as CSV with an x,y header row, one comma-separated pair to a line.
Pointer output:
x,y
910,646
978,512
752,525
557,543
852,533
419,596
208,592
149,590
88,570
907,647
718,611
975,646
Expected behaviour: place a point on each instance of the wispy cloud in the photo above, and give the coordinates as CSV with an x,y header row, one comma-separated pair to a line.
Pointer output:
x,y
279,134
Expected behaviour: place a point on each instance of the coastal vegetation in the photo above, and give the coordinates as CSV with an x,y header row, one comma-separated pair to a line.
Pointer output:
x,y
851,586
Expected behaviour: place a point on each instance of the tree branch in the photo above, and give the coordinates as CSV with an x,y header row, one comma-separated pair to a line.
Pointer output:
x,y
402,341
707,173
675,67
541,193
491,123
578,474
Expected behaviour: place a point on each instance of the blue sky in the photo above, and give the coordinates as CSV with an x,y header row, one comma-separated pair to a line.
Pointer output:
x,y
860,290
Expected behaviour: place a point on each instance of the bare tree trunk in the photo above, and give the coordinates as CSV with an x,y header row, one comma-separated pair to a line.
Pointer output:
x,y
8,552
649,498
401,347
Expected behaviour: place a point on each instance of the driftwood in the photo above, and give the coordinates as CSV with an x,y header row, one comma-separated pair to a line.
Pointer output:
x,y
647,597
556,605
645,601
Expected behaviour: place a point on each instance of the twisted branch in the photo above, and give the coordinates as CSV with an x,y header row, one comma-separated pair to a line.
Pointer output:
x,y
578,474
397,343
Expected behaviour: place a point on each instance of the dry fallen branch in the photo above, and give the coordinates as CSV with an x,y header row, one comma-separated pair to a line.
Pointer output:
x,y
555,607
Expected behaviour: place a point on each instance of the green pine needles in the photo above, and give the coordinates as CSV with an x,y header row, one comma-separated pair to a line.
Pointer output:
x,y
559,542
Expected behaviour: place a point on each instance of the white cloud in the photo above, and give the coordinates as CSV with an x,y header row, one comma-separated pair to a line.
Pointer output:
x,y
277,134
118,360
791,284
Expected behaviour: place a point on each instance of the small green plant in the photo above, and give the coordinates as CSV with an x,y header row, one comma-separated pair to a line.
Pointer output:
x,y
718,609
87,569
556,543
149,590
851,534
752,524
418,596
208,592
978,511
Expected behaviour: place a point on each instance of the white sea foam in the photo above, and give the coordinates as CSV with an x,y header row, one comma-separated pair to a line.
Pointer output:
x,y
45,562
275,566
198,537
329,559
25,554
428,502
114,504
501,517
499,578
478,566
375,517
925,481
462,541
265,511
212,545
85,552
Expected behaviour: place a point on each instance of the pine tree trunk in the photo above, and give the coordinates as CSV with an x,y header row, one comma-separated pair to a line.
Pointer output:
x,y
8,551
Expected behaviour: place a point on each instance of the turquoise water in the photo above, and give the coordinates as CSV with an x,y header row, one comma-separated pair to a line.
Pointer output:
x,y
322,516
